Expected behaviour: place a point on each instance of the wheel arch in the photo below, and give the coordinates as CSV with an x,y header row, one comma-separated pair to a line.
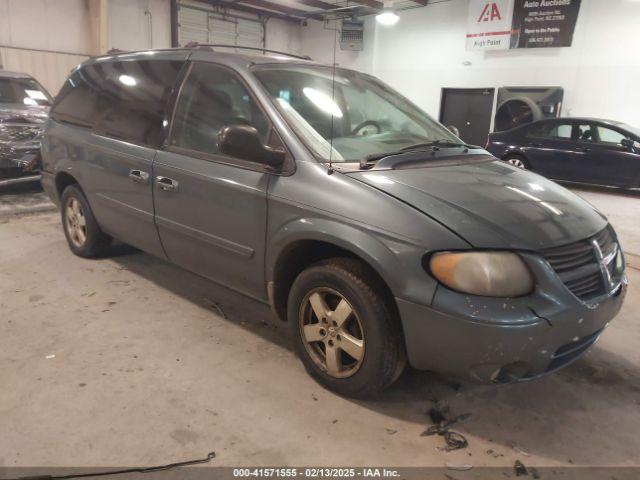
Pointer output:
x,y
63,180
300,249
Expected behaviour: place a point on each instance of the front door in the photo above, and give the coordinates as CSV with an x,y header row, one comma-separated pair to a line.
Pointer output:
x,y
469,110
604,160
211,209
549,147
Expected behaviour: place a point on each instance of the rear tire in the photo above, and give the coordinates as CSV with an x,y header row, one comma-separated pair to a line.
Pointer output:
x,y
517,161
345,329
83,234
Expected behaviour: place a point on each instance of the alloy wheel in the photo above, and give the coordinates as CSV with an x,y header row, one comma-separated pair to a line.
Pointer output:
x,y
516,162
331,332
76,222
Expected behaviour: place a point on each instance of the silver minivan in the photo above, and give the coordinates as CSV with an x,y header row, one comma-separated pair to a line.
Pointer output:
x,y
377,235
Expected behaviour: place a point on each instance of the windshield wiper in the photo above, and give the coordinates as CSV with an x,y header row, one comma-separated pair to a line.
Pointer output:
x,y
365,161
437,143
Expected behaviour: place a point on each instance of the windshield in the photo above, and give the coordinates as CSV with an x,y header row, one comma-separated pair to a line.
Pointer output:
x,y
25,91
635,131
364,116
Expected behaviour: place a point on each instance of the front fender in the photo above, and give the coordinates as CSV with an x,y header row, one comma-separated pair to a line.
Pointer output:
x,y
396,260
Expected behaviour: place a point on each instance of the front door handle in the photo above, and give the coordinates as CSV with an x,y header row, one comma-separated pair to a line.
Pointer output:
x,y
167,184
138,176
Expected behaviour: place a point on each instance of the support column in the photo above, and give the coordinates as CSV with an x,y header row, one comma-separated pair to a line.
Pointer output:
x,y
98,26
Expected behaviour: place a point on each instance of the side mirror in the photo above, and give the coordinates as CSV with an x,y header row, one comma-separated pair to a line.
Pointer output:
x,y
453,129
629,144
243,141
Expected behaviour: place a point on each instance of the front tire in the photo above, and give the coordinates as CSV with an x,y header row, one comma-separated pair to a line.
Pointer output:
x,y
517,161
345,328
83,234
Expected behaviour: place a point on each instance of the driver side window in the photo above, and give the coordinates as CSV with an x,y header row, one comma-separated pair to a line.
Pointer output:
x,y
212,98
610,137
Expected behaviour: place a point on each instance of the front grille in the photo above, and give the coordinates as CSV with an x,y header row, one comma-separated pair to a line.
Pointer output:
x,y
579,264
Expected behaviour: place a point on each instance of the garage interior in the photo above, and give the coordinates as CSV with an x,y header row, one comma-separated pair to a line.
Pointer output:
x,y
130,360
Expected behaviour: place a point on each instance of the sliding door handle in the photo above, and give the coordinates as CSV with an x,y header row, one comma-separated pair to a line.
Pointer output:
x,y
138,176
167,184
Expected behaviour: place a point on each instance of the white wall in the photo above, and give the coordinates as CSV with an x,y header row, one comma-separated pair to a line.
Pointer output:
x,y
139,24
283,36
425,52
45,25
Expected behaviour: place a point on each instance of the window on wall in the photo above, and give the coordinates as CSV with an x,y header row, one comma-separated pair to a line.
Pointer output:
x,y
212,98
203,26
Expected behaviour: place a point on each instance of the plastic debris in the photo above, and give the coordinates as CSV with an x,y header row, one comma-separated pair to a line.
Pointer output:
x,y
49,357
441,426
520,469
521,450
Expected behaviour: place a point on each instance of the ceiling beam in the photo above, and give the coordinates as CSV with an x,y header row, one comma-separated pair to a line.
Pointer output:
x,y
318,4
370,3
424,3
265,4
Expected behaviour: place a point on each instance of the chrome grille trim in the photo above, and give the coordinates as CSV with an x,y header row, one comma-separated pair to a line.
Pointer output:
x,y
588,267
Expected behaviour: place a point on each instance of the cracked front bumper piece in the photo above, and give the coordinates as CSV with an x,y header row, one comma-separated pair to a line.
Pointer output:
x,y
505,340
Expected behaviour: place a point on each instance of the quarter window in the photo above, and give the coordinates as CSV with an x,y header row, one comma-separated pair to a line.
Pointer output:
x,y
77,101
212,98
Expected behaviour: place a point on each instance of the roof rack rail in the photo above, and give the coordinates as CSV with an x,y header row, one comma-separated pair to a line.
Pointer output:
x,y
258,49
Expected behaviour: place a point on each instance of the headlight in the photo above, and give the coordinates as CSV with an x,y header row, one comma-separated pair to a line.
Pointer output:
x,y
490,274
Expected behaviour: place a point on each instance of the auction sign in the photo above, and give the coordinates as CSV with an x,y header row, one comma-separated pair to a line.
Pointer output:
x,y
489,24
544,23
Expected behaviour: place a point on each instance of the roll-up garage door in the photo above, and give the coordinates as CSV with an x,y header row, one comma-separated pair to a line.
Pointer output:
x,y
202,26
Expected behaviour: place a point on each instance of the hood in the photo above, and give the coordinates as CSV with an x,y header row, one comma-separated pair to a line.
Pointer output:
x,y
17,114
491,204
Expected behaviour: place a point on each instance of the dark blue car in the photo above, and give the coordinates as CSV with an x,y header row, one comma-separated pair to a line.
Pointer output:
x,y
583,150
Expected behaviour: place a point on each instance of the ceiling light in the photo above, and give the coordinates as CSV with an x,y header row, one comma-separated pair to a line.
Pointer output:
x,y
387,16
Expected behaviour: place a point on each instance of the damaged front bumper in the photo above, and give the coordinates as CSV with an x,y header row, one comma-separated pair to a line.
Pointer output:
x,y
19,163
505,340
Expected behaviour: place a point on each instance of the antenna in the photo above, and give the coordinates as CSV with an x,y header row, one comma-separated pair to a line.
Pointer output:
x,y
333,97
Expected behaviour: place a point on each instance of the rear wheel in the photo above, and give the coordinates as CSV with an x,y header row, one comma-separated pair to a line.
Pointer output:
x,y
344,328
83,234
517,161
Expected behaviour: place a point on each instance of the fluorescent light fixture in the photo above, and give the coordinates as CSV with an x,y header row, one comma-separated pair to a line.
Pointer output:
x,y
387,16
128,80
323,101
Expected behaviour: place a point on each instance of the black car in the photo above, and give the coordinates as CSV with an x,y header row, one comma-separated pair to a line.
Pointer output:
x,y
24,108
583,150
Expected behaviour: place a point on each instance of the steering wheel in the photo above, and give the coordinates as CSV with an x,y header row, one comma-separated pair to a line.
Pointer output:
x,y
366,123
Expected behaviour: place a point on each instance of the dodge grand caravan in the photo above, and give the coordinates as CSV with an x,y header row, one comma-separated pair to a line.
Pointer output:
x,y
377,235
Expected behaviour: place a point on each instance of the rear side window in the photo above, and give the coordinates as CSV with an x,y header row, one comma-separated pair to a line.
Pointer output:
x,y
211,98
124,100
561,131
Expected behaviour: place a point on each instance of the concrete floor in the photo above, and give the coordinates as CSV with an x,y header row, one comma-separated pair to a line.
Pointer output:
x,y
130,360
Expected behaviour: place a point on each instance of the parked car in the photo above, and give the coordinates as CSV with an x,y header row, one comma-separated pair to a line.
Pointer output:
x,y
373,232
24,106
583,150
